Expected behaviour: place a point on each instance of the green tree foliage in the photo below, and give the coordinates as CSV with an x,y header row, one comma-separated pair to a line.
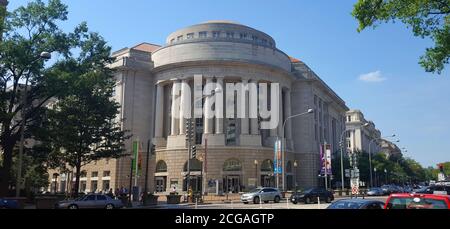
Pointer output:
x,y
426,18
83,124
28,31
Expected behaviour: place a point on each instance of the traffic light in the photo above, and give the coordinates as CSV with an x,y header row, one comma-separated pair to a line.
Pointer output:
x,y
153,149
194,151
441,168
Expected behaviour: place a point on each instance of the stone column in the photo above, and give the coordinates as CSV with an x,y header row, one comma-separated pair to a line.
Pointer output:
x,y
244,120
253,108
185,101
274,131
208,121
219,106
159,111
281,115
287,109
174,119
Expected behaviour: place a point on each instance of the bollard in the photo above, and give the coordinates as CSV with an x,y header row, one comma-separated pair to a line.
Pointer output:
x,y
318,202
287,203
260,202
196,203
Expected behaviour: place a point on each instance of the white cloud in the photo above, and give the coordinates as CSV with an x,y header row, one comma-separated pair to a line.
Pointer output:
x,y
372,77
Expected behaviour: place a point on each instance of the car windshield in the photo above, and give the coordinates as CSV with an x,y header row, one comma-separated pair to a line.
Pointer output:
x,y
416,203
345,205
375,189
307,190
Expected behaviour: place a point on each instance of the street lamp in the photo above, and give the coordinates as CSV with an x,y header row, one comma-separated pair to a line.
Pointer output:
x,y
283,148
375,170
42,56
370,155
256,173
342,158
385,172
295,175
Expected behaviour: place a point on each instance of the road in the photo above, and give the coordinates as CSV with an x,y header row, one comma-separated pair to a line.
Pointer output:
x,y
284,204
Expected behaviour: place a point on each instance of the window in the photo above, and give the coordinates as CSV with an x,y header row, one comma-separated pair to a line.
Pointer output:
x,y
230,34
232,165
202,34
315,132
349,118
83,174
89,198
216,34
106,173
243,36
172,40
315,100
82,186
190,36
94,174
94,186
267,166
194,165
161,167
101,197
105,185
180,38
254,38
270,44
264,41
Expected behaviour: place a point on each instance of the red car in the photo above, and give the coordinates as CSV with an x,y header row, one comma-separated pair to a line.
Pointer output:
x,y
417,201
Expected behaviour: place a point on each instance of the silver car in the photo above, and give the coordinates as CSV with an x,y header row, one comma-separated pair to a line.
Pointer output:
x,y
90,201
259,195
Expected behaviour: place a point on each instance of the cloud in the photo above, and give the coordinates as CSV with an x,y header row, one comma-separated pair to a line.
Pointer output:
x,y
372,77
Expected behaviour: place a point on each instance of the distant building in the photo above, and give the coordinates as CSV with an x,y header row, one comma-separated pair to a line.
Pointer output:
x,y
360,136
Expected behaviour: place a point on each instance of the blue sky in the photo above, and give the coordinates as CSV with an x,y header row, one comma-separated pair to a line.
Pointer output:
x,y
397,94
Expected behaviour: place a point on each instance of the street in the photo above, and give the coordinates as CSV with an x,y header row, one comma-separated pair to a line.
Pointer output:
x,y
284,204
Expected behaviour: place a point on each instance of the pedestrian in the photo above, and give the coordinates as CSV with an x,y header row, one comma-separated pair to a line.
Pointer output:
x,y
110,193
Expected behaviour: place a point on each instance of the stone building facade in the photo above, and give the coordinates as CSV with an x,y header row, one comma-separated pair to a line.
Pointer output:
x,y
234,154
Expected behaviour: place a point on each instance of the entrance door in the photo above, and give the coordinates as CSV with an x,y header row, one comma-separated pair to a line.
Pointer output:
x,y
160,184
232,184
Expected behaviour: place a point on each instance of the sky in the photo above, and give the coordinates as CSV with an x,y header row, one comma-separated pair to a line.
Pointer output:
x,y
375,71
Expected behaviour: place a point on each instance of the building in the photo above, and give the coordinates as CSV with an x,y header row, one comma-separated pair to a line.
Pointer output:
x,y
233,152
390,149
362,133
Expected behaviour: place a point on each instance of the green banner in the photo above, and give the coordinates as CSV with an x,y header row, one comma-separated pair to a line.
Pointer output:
x,y
136,158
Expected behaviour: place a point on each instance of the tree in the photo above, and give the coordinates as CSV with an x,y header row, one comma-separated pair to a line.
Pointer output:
x,y
83,125
427,18
28,31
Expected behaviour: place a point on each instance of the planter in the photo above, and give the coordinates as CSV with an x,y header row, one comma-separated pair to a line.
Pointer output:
x,y
150,200
173,199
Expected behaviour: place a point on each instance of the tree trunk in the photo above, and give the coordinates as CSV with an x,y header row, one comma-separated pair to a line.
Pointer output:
x,y
77,180
5,172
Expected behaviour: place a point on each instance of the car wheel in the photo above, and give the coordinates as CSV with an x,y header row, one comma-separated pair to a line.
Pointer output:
x,y
245,202
109,206
73,206
266,201
277,199
307,200
295,202
256,200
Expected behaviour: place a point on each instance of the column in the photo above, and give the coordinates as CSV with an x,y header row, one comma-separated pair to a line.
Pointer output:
x,y
185,101
253,108
287,108
159,112
219,106
281,114
174,120
244,120
208,121
274,131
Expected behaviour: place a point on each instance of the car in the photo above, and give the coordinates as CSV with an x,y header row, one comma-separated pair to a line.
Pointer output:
x,y
312,195
434,189
357,204
90,201
8,204
375,192
259,195
417,201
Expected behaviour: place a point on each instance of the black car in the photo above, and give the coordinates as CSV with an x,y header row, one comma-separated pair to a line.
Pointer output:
x,y
357,204
435,189
310,196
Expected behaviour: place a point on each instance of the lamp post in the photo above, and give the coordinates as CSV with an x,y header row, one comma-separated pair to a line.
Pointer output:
x,y
370,155
55,177
256,173
216,91
295,175
385,173
375,170
283,146
341,144
42,56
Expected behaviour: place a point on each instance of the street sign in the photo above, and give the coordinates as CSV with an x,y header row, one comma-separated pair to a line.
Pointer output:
x,y
354,182
347,173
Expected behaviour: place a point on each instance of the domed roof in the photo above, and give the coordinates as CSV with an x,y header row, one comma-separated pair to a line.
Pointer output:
x,y
221,22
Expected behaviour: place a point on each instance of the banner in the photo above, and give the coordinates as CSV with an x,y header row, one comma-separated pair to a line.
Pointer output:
x,y
325,159
277,162
137,159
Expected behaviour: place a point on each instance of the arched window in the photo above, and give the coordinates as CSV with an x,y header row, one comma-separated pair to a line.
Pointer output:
x,y
267,166
289,167
194,164
161,167
232,165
